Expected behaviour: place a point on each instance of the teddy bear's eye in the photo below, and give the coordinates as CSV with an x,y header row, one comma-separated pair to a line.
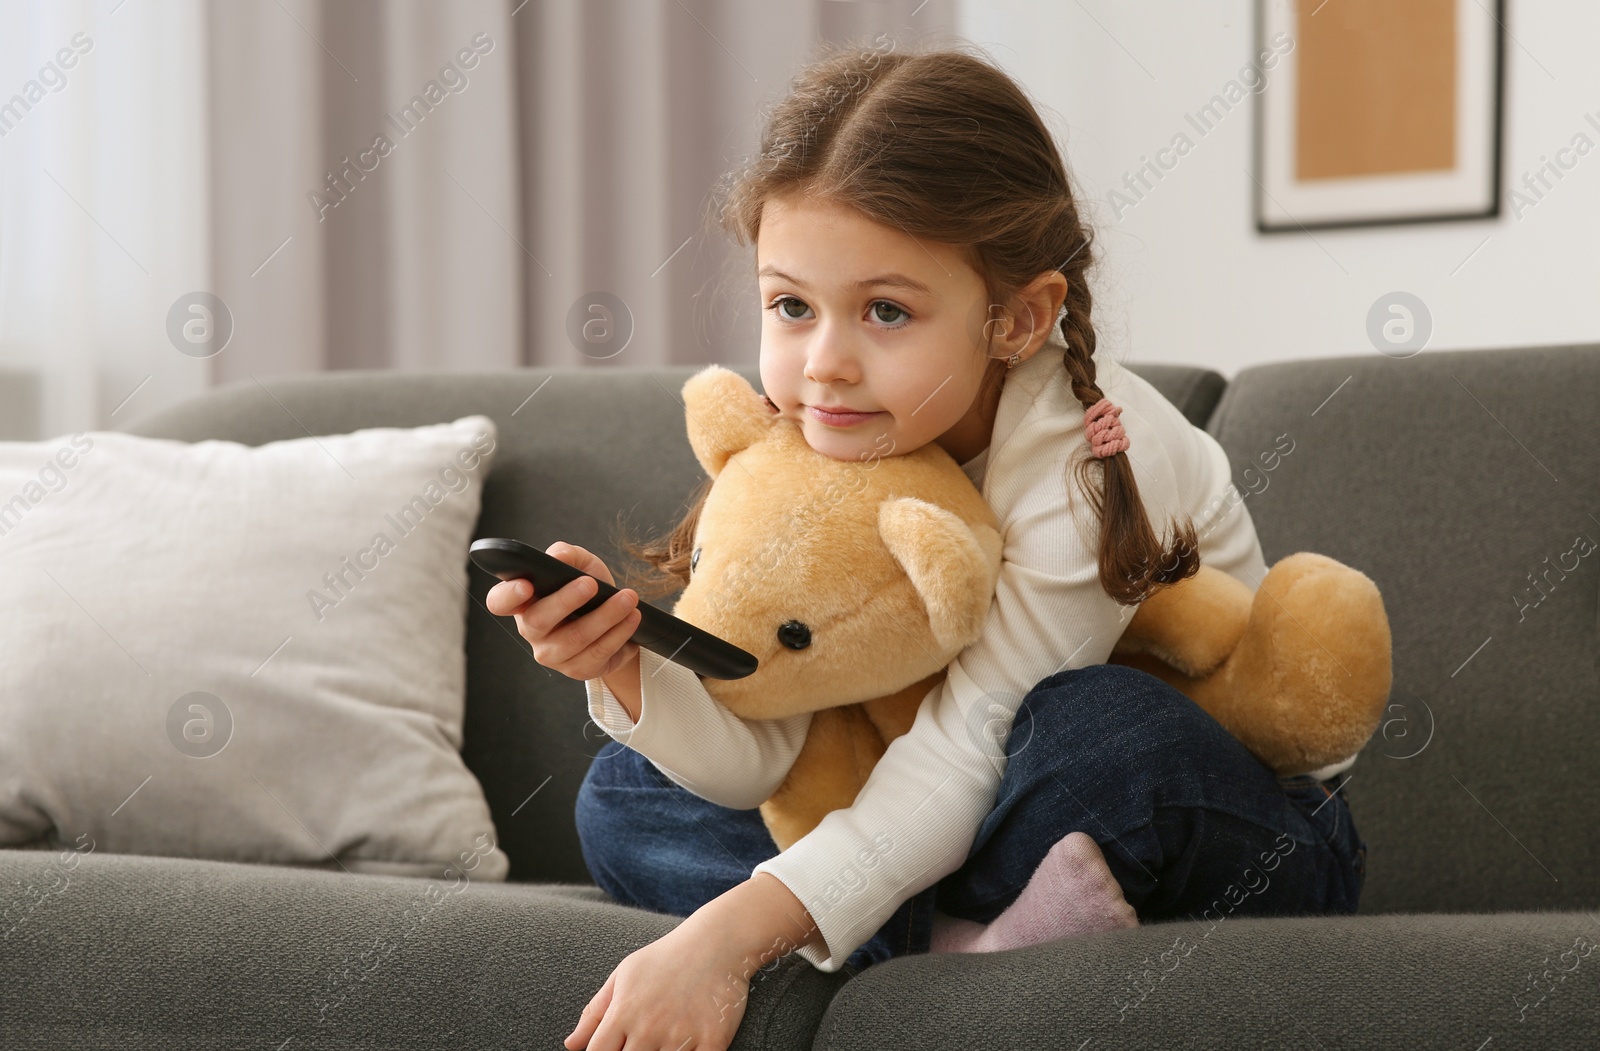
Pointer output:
x,y
794,635
694,559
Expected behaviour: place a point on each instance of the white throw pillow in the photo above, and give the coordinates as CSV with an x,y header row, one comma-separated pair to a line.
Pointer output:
x,y
246,654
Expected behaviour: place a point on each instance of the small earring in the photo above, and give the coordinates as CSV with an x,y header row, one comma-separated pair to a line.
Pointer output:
x,y
1011,362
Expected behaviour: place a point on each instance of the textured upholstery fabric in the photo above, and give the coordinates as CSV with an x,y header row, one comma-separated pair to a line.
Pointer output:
x,y
185,955
1358,983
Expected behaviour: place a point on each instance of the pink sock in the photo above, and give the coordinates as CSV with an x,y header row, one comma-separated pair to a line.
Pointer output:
x,y
1071,893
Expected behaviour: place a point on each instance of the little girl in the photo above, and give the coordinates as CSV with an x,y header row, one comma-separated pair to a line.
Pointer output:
x,y
922,265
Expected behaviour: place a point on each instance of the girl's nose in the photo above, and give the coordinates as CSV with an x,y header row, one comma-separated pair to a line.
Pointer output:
x,y
830,360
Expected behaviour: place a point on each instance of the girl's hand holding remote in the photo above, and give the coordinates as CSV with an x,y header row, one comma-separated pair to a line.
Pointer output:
x,y
593,646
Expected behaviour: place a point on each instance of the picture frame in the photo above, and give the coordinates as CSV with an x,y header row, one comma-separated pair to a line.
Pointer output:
x,y
1380,113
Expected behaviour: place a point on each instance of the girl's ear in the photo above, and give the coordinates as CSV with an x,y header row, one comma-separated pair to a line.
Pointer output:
x,y
725,416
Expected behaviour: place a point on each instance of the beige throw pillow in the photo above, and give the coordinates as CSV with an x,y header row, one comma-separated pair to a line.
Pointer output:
x,y
254,654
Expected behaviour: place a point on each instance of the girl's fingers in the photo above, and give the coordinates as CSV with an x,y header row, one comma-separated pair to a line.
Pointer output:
x,y
589,635
592,1015
593,638
546,615
581,559
508,597
613,640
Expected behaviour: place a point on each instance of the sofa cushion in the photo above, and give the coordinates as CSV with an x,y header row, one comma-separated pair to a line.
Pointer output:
x,y
1466,484
251,654
1359,983
177,954
582,452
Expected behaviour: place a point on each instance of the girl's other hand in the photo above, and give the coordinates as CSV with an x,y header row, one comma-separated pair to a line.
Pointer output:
x,y
686,990
589,647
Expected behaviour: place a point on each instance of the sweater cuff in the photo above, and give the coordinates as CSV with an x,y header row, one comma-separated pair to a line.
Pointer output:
x,y
838,941
608,712
657,677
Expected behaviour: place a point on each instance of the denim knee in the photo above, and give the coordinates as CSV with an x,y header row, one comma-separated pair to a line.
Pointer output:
x,y
653,844
1066,687
1071,710
1117,720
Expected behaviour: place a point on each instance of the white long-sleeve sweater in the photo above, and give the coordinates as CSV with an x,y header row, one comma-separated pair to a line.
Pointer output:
x,y
914,821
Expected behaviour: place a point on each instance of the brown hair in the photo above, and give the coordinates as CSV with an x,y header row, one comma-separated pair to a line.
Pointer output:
x,y
859,128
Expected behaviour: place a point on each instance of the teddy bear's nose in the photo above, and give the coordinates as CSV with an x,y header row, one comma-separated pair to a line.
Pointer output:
x,y
794,635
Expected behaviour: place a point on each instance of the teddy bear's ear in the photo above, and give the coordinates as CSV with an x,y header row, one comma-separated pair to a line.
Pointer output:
x,y
953,566
725,416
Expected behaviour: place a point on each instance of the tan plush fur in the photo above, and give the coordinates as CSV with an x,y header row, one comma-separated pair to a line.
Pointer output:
x,y
890,565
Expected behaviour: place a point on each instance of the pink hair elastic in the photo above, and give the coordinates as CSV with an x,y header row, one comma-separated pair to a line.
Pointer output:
x,y
1103,428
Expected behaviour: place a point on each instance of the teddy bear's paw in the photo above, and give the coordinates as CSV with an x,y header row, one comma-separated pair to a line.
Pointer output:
x,y
1325,625
1313,672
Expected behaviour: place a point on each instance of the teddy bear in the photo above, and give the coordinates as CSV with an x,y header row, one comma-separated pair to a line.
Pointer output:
x,y
855,583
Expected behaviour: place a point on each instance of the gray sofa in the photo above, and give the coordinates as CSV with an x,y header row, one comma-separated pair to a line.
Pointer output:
x,y
1456,480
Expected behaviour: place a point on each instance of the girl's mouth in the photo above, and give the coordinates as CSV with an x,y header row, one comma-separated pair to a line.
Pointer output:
x,y
840,419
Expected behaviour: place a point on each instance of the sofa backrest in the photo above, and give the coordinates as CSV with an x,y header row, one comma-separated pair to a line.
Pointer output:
x,y
1466,484
582,453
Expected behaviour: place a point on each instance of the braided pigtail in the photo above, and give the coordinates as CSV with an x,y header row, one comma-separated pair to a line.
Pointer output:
x,y
1133,560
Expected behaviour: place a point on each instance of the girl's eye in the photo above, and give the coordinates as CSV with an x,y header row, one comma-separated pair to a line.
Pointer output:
x,y
885,303
780,307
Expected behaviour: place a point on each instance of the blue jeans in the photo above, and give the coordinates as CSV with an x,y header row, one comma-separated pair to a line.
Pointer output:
x,y
1191,824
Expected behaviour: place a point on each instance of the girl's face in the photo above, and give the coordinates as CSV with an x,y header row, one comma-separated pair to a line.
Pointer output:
x,y
864,317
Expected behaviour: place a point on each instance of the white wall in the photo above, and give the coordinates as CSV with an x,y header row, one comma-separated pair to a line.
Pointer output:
x,y
1185,278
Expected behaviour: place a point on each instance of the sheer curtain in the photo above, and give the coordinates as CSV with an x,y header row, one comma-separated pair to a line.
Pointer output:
x,y
103,203
363,165
472,185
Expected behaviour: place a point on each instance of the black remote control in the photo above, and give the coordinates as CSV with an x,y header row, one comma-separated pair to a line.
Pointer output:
x,y
659,631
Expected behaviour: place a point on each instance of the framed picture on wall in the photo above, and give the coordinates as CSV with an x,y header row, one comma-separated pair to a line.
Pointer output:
x,y
1378,112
